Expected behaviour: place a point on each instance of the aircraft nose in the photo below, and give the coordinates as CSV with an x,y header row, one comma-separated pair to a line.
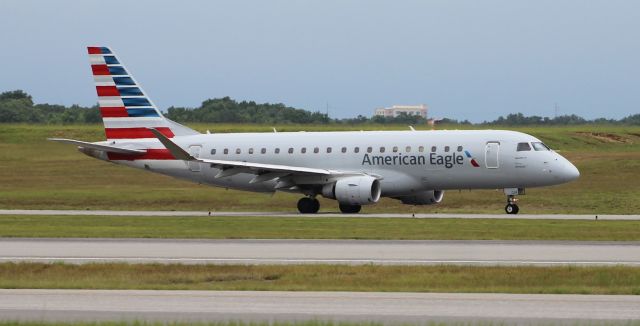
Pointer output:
x,y
570,172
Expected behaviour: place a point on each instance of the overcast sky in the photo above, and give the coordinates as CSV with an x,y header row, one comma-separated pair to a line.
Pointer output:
x,y
471,60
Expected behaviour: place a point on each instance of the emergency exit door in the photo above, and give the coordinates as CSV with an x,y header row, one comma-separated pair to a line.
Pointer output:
x,y
194,150
491,155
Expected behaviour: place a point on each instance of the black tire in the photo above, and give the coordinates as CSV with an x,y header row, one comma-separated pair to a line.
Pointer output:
x,y
308,205
350,209
316,206
511,209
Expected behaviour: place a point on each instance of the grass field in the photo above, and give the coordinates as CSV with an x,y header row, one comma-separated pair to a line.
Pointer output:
x,y
315,228
38,174
379,278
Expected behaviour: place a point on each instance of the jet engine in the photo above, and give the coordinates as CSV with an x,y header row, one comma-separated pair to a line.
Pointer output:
x,y
359,190
427,197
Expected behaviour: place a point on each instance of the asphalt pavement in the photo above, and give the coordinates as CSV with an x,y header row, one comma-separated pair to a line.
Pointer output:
x,y
295,214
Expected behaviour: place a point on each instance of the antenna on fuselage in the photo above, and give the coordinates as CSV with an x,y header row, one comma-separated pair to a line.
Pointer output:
x,y
274,129
411,127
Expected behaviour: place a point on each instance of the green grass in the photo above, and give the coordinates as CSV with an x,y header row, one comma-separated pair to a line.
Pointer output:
x,y
377,278
37,174
315,228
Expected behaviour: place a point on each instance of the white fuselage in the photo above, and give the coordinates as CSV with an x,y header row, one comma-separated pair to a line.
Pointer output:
x,y
406,162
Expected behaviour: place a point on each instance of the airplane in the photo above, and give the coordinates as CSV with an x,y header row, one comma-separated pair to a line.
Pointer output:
x,y
355,168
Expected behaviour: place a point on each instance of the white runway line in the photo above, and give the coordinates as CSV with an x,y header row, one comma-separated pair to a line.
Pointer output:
x,y
290,214
354,252
92,305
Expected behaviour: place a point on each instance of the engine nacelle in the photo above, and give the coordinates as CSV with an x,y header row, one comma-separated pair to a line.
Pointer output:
x,y
427,197
360,190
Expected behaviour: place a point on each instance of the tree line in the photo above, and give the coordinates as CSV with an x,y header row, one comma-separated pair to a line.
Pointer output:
x,y
18,107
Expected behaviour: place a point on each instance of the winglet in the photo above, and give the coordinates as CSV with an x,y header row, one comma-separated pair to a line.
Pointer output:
x,y
174,149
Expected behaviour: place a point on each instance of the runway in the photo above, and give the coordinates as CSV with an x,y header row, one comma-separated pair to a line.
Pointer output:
x,y
290,214
95,305
321,252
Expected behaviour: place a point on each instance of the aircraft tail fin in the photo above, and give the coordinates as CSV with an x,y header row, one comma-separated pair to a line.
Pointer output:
x,y
127,112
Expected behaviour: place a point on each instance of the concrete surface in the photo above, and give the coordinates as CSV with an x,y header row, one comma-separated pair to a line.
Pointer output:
x,y
321,251
73,305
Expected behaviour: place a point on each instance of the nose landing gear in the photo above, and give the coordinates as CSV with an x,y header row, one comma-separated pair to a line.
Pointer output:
x,y
512,207
308,205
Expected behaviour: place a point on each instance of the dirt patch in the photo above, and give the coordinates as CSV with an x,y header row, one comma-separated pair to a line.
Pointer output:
x,y
606,137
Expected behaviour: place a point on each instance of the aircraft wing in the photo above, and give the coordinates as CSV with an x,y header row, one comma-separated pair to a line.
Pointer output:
x,y
241,166
105,148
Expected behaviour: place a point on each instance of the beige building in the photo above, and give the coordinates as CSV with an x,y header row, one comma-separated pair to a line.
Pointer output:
x,y
396,110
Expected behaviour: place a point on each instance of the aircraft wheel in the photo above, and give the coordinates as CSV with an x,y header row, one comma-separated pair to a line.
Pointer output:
x,y
316,205
307,205
511,209
350,209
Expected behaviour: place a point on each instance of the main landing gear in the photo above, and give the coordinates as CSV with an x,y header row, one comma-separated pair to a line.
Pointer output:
x,y
308,205
350,209
311,205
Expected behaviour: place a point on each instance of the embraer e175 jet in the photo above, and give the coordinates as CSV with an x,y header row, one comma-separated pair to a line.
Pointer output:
x,y
354,168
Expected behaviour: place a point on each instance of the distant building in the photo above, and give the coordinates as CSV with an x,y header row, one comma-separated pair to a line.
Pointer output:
x,y
396,110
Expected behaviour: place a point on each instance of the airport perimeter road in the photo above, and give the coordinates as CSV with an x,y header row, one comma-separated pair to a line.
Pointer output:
x,y
93,305
320,251
290,214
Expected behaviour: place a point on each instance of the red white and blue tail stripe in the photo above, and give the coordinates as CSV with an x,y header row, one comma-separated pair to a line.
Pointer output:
x,y
126,110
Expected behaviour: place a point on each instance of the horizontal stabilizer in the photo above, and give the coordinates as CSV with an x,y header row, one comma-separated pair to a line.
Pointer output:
x,y
104,148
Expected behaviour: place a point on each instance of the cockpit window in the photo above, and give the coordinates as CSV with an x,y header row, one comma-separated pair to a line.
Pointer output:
x,y
540,146
522,147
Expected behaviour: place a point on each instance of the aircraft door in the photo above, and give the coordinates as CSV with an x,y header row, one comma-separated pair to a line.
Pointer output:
x,y
194,150
491,151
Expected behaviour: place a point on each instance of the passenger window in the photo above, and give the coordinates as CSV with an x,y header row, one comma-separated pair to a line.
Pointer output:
x,y
344,149
382,149
250,150
459,148
226,151
433,149
238,151
421,149
395,149
523,147
328,149
316,150
540,146
290,150
263,151
213,151
408,149
446,149
303,150
356,150
369,149
277,151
